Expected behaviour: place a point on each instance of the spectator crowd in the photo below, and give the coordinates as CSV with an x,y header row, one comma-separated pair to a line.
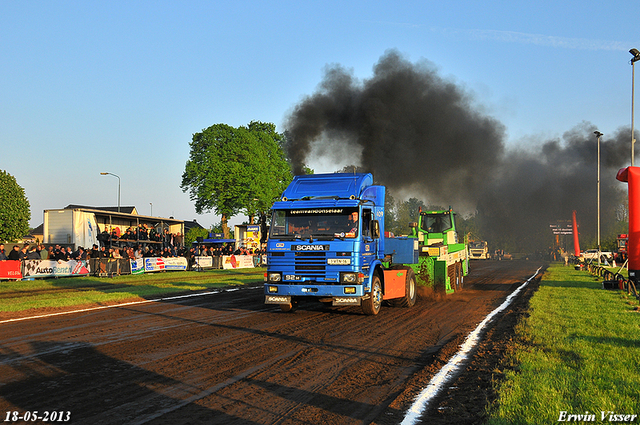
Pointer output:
x,y
141,235
60,253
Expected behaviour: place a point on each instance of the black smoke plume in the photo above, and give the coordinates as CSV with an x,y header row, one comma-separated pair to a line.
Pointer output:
x,y
419,133
535,187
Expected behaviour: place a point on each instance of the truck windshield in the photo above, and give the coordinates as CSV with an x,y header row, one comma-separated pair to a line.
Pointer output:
x,y
436,222
315,222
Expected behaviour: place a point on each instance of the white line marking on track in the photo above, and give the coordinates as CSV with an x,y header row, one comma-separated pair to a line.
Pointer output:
x,y
450,370
102,307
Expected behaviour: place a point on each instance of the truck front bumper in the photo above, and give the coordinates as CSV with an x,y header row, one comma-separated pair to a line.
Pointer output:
x,y
338,295
313,289
335,301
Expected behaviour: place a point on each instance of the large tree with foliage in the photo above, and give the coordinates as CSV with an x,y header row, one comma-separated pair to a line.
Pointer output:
x,y
273,172
15,211
407,212
232,170
193,234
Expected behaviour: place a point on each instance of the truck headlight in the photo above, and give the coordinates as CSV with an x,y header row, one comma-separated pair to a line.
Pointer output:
x,y
348,277
272,289
274,277
350,290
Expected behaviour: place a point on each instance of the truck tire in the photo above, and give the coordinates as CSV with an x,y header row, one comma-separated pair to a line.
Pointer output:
x,y
411,292
371,306
455,281
460,281
452,273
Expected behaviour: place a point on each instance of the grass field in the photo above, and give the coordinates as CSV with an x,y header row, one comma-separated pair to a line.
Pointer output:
x,y
577,353
65,292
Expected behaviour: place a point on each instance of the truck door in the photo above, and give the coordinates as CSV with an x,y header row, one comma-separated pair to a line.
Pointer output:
x,y
367,252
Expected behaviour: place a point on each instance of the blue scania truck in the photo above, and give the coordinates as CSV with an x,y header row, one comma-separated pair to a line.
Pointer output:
x,y
327,243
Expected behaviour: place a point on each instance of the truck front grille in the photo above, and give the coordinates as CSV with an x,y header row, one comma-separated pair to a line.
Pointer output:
x,y
311,264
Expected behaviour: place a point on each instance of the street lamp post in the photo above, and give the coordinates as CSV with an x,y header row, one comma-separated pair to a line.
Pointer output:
x,y
114,175
151,203
634,59
598,134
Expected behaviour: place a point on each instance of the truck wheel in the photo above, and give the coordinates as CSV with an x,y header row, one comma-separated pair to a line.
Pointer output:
x,y
371,306
452,273
289,308
455,281
411,292
460,275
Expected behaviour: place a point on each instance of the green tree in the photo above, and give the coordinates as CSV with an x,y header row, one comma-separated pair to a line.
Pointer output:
x,y
236,169
15,211
352,169
193,234
408,212
468,226
390,221
272,172
216,228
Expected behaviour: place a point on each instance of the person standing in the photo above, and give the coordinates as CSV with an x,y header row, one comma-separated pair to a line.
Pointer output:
x,y
103,238
3,255
95,252
32,254
79,255
116,253
15,254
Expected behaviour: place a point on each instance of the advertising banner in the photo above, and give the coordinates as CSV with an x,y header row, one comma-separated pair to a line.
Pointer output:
x,y
156,264
85,229
204,262
175,263
50,268
252,237
237,261
153,264
137,266
10,270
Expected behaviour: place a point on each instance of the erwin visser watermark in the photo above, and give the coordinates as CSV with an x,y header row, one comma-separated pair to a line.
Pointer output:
x,y
605,416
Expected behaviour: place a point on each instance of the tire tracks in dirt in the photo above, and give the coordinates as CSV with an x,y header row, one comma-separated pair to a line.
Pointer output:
x,y
229,359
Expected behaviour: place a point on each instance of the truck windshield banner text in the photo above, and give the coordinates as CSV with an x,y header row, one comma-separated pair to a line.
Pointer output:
x,y
318,211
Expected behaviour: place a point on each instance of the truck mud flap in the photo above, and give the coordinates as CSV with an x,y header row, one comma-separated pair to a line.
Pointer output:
x,y
342,301
277,299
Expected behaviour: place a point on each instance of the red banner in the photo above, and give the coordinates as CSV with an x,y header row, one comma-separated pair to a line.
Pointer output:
x,y
10,270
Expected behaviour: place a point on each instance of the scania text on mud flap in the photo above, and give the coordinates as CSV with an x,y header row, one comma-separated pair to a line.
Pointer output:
x,y
327,243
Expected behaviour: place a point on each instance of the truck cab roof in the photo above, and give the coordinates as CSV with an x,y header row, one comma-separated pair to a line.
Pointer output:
x,y
328,186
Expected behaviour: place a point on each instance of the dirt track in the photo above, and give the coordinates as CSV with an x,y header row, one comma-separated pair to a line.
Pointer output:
x,y
229,359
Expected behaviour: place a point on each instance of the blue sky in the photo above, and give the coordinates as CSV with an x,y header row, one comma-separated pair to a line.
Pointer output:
x,y
120,87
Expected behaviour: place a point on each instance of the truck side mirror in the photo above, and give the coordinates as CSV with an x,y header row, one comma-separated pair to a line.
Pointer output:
x,y
413,224
375,229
